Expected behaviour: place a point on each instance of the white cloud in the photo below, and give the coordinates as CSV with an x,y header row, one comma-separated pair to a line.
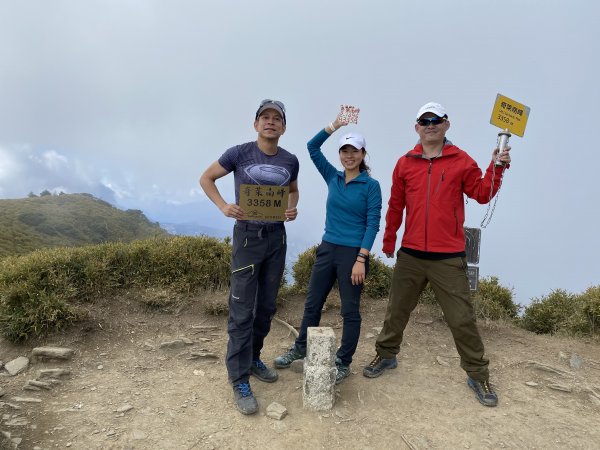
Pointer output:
x,y
8,166
54,160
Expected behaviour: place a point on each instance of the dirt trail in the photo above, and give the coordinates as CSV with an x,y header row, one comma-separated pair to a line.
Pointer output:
x,y
182,403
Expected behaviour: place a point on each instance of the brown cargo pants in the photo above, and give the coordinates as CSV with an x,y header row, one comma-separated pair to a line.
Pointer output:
x,y
448,278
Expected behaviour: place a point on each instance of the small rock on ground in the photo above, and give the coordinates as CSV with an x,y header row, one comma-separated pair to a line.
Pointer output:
x,y
53,352
297,366
276,411
17,365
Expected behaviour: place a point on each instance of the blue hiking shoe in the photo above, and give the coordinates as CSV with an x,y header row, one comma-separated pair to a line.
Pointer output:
x,y
244,399
262,372
484,392
378,366
284,361
342,373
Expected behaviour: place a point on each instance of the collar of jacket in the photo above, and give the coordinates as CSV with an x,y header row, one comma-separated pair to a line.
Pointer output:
x,y
362,177
447,150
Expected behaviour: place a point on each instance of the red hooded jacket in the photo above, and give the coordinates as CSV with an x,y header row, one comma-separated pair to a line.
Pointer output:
x,y
432,193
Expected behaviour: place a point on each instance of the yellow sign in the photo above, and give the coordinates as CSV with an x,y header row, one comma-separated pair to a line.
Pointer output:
x,y
509,114
264,203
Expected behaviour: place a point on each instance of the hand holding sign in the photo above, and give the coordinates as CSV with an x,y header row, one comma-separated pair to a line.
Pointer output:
x,y
348,114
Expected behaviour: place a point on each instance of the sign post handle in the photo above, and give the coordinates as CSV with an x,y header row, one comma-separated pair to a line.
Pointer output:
x,y
503,138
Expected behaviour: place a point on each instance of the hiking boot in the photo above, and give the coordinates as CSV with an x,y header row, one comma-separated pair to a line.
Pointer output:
x,y
284,361
342,373
379,365
244,400
262,372
484,392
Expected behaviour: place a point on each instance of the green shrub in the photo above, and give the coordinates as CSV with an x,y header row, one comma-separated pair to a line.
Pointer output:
x,y
562,312
216,306
377,283
24,313
157,299
303,268
550,313
585,319
427,297
590,302
379,279
492,301
38,291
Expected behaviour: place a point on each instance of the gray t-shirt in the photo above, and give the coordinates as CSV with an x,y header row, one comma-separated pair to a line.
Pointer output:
x,y
251,166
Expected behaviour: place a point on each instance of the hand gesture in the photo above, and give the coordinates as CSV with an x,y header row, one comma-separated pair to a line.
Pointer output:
x,y
348,114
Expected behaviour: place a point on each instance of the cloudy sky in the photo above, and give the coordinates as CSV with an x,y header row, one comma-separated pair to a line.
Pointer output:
x,y
131,100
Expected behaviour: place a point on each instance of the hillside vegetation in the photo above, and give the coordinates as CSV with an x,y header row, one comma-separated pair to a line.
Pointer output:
x,y
67,220
48,289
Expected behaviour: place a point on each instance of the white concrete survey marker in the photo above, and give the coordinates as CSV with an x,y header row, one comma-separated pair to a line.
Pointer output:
x,y
319,369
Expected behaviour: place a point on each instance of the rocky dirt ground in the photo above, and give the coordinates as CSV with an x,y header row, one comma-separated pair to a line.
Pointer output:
x,y
125,391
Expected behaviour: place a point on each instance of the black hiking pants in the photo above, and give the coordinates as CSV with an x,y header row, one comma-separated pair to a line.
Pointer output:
x,y
257,265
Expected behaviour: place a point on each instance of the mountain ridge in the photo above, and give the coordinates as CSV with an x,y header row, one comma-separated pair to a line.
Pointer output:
x,y
68,220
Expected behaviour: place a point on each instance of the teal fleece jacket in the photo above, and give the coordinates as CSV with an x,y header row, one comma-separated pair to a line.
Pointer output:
x,y
354,209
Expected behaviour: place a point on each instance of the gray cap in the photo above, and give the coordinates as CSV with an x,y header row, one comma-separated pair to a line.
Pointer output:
x,y
271,104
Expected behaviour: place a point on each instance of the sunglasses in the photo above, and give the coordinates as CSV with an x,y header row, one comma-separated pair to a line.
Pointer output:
x,y
275,102
431,121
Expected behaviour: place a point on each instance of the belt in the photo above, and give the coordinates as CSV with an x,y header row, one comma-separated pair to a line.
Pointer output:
x,y
258,227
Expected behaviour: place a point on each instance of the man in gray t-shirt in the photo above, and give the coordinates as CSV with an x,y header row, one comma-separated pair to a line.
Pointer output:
x,y
251,165
259,247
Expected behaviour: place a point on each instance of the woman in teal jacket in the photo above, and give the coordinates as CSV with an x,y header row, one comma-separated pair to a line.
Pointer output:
x,y
352,221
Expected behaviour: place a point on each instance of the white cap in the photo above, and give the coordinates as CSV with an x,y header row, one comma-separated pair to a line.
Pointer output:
x,y
356,140
432,107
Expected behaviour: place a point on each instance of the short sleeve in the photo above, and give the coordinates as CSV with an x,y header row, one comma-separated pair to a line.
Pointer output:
x,y
228,160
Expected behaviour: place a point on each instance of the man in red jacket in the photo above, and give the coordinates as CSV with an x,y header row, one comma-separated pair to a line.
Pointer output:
x,y
429,182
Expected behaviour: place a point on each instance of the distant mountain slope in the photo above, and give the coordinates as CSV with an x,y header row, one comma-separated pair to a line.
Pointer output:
x,y
67,220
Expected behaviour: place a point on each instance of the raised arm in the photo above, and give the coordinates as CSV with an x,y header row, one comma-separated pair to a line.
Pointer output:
x,y
325,168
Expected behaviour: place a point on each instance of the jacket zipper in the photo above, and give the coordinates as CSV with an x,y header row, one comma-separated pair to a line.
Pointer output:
x,y
427,206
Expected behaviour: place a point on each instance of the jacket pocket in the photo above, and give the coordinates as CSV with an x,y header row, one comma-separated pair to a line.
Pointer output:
x,y
439,185
243,288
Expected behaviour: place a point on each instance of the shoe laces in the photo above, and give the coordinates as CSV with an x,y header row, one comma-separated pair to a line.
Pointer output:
x,y
486,387
261,365
292,353
244,389
376,361
343,369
